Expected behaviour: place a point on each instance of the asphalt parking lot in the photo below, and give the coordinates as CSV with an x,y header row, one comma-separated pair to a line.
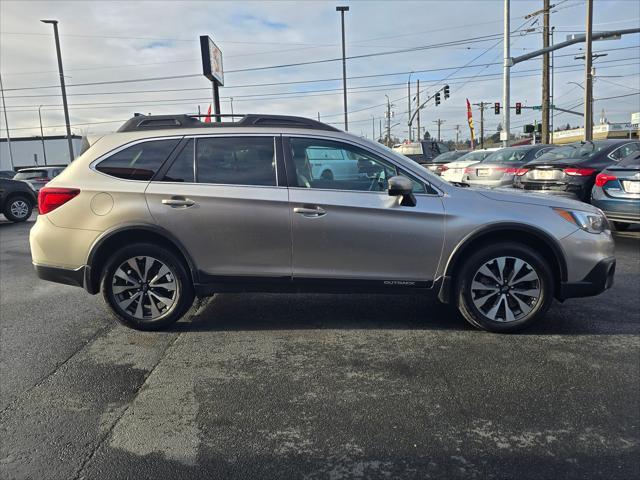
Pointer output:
x,y
315,386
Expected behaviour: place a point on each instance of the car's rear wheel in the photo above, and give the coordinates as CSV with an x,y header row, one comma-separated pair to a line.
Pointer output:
x,y
146,287
18,208
504,287
327,175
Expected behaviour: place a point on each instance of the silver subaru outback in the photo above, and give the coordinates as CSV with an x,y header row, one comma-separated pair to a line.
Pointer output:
x,y
169,208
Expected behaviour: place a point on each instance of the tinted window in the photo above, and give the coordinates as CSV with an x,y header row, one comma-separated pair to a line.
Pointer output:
x,y
236,161
138,162
624,151
631,161
358,169
181,169
506,155
30,174
576,151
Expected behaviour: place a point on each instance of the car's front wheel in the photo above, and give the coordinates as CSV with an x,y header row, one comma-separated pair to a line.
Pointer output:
x,y
18,208
146,287
504,287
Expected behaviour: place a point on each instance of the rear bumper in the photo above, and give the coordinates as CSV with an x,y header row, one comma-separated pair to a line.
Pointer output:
x,y
599,279
77,278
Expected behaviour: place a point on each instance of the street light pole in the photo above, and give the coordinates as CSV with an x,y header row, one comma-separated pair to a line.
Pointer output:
x,y
344,68
409,102
506,98
6,124
44,151
62,86
588,81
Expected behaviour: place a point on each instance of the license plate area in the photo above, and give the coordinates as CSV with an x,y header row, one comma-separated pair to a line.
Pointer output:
x,y
483,172
546,174
631,186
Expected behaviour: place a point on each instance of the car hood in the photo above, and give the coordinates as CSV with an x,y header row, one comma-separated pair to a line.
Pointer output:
x,y
520,196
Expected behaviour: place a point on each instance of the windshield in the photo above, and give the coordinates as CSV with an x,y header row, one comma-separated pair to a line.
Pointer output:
x,y
30,174
575,151
506,155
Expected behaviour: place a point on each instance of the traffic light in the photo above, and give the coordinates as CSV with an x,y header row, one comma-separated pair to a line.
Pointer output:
x,y
437,99
518,108
496,108
446,92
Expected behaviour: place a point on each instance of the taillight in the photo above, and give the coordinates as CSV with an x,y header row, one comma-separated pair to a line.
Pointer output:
x,y
51,198
521,171
603,178
509,170
469,170
579,172
442,168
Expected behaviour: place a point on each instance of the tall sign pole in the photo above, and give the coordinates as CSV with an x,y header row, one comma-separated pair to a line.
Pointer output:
x,y
506,97
545,74
588,82
212,69
344,68
62,86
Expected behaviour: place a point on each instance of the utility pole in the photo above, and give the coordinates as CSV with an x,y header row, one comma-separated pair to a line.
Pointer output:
x,y
409,102
231,99
373,128
44,150
388,142
62,86
482,106
344,68
545,73
6,124
588,82
439,123
457,135
552,97
506,80
418,107
318,116
380,127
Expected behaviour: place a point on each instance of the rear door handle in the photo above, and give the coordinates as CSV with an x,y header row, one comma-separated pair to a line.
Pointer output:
x,y
310,212
178,202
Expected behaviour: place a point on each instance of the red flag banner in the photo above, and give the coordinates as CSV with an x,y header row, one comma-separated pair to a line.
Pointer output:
x,y
207,119
470,120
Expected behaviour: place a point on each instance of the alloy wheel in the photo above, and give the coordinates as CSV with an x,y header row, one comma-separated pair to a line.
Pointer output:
x,y
144,287
505,289
19,209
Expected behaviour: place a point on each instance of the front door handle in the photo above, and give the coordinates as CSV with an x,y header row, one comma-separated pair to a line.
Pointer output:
x,y
310,212
178,202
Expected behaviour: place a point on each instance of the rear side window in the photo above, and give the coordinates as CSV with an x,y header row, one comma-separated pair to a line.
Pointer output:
x,y
236,161
182,168
140,161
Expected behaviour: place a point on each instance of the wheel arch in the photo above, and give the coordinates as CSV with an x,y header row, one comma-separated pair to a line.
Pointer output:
x,y
111,240
533,237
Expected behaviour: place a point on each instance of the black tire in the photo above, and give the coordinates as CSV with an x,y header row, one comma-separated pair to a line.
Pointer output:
x,y
182,295
18,203
480,316
621,227
327,175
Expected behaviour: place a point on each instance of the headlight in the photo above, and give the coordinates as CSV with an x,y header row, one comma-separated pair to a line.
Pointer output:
x,y
589,222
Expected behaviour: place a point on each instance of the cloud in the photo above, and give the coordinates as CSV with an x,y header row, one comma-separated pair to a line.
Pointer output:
x,y
246,19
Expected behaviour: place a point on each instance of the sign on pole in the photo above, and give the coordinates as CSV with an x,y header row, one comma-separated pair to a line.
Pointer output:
x,y
212,69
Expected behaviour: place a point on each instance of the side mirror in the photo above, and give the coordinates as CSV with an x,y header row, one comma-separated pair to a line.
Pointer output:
x,y
400,186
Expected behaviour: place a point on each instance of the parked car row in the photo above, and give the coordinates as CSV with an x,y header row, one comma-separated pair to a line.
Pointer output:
x,y
605,173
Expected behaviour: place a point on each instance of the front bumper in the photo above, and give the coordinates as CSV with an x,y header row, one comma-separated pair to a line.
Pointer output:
x,y
599,279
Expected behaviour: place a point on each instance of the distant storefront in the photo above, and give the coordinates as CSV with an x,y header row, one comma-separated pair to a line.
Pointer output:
x,y
30,151
600,132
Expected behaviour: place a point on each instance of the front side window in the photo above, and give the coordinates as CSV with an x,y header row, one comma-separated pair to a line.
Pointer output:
x,y
236,161
140,161
341,167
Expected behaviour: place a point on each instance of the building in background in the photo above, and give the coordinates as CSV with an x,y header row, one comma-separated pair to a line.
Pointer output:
x,y
28,151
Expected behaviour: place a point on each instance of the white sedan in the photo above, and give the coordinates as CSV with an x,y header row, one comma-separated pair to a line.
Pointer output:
x,y
454,171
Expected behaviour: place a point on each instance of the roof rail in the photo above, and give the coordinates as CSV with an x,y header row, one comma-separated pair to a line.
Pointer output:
x,y
159,122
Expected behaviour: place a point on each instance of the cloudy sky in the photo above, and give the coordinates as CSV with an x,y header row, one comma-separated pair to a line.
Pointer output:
x,y
111,49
